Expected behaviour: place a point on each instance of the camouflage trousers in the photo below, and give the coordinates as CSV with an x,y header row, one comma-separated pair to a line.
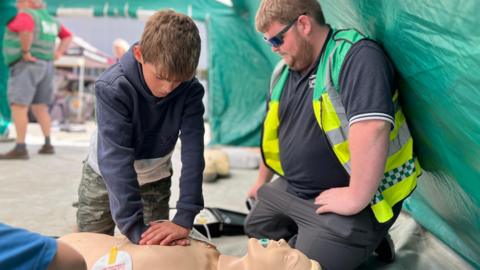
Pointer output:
x,y
93,214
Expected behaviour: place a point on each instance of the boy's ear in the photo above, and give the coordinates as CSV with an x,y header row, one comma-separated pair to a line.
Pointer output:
x,y
137,53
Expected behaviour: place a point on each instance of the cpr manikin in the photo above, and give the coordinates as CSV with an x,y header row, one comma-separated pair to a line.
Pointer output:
x,y
93,246
198,255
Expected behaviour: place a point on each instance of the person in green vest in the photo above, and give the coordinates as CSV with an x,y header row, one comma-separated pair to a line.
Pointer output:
x,y
335,136
29,51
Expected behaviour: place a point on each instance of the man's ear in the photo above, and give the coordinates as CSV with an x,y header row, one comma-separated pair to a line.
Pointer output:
x,y
305,24
137,53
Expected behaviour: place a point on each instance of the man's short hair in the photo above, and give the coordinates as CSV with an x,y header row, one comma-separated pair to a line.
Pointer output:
x,y
285,11
171,42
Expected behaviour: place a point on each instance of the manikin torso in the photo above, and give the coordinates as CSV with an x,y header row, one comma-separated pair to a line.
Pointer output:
x,y
198,255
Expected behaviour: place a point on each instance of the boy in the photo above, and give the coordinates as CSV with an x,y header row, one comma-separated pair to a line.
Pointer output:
x,y
143,104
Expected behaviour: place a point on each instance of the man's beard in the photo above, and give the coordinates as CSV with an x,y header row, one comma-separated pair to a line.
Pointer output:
x,y
304,57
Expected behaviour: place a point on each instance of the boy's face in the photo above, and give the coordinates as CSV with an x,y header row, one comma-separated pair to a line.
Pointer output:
x,y
160,87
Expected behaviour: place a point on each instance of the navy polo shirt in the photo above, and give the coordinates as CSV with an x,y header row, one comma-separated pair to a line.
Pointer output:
x,y
366,84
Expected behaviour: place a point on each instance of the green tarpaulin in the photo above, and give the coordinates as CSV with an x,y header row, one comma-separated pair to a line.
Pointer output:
x,y
7,11
435,47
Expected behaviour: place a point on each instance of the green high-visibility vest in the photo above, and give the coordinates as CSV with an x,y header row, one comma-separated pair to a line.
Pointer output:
x,y
44,35
401,169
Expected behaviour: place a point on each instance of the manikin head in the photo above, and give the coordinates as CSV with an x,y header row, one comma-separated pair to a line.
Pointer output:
x,y
276,255
294,29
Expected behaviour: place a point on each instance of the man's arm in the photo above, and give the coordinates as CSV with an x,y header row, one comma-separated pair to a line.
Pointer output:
x,y
65,39
191,199
24,25
116,158
265,175
26,39
368,144
193,163
366,82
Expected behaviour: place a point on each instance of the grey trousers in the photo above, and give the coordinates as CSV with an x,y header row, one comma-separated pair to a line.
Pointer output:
x,y
334,241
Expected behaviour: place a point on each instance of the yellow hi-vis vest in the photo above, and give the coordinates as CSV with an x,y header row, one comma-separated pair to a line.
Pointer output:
x,y
401,168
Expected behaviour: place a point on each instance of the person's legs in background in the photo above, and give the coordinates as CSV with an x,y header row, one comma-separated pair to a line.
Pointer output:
x,y
29,83
43,97
40,111
20,120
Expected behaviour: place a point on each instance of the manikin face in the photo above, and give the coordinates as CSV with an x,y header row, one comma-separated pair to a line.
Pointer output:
x,y
276,255
160,87
295,49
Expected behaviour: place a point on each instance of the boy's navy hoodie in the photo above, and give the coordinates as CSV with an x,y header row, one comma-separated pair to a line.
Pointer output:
x,y
133,125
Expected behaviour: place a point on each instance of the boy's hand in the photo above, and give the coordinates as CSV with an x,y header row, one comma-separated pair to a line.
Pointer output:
x,y
165,234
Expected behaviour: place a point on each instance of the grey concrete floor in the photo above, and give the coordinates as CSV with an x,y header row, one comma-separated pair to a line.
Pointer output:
x,y
37,194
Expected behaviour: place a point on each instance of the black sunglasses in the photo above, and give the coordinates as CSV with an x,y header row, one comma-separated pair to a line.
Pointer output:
x,y
277,40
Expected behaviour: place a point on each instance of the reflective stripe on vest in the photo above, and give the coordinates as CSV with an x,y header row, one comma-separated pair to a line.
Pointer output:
x,y
401,168
44,35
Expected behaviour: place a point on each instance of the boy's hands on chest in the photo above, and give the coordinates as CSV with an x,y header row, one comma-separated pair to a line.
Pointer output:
x,y
165,233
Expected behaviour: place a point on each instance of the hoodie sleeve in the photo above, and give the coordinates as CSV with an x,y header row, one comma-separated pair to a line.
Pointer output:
x,y
191,134
116,158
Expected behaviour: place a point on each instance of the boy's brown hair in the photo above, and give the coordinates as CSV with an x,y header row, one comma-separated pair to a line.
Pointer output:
x,y
171,42
285,11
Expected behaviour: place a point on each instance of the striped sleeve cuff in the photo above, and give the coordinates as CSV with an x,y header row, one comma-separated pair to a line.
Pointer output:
x,y
372,116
